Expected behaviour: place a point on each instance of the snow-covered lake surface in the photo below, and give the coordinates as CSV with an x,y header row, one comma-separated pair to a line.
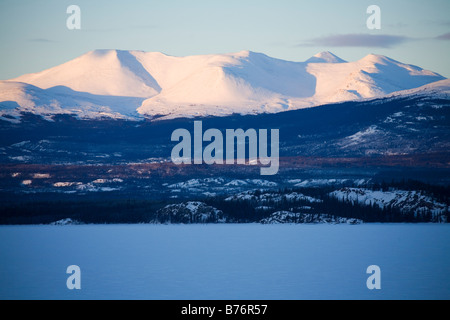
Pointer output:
x,y
225,261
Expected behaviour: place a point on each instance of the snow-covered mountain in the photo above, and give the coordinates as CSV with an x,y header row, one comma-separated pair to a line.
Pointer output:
x,y
18,97
438,89
117,83
99,72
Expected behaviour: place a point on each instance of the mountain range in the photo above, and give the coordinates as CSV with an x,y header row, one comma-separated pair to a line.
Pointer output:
x,y
346,130
135,85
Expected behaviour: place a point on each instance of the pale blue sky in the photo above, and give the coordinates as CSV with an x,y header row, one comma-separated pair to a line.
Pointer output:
x,y
34,34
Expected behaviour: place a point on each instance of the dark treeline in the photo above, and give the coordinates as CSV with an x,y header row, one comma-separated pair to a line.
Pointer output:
x,y
96,212
99,211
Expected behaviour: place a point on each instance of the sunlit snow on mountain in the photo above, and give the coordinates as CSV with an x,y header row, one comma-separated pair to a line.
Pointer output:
x,y
136,84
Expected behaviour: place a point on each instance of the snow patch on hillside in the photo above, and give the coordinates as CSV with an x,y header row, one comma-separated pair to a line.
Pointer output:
x,y
281,217
189,212
406,201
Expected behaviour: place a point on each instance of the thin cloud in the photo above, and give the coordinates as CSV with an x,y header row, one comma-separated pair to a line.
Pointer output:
x,y
435,22
42,40
144,26
445,36
398,25
357,40
124,28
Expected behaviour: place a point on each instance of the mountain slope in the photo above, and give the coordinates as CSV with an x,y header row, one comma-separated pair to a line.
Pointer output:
x,y
100,72
438,89
397,127
17,98
245,82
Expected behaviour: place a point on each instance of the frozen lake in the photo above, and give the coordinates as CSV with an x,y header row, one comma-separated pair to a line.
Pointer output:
x,y
225,261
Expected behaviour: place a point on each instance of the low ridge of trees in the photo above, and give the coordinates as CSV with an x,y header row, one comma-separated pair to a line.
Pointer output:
x,y
99,211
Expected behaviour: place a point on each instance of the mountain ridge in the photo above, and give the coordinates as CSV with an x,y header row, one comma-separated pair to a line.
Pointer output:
x,y
100,82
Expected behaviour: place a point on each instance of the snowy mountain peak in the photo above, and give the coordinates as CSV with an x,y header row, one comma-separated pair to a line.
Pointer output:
x,y
100,72
325,57
378,58
102,53
243,53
